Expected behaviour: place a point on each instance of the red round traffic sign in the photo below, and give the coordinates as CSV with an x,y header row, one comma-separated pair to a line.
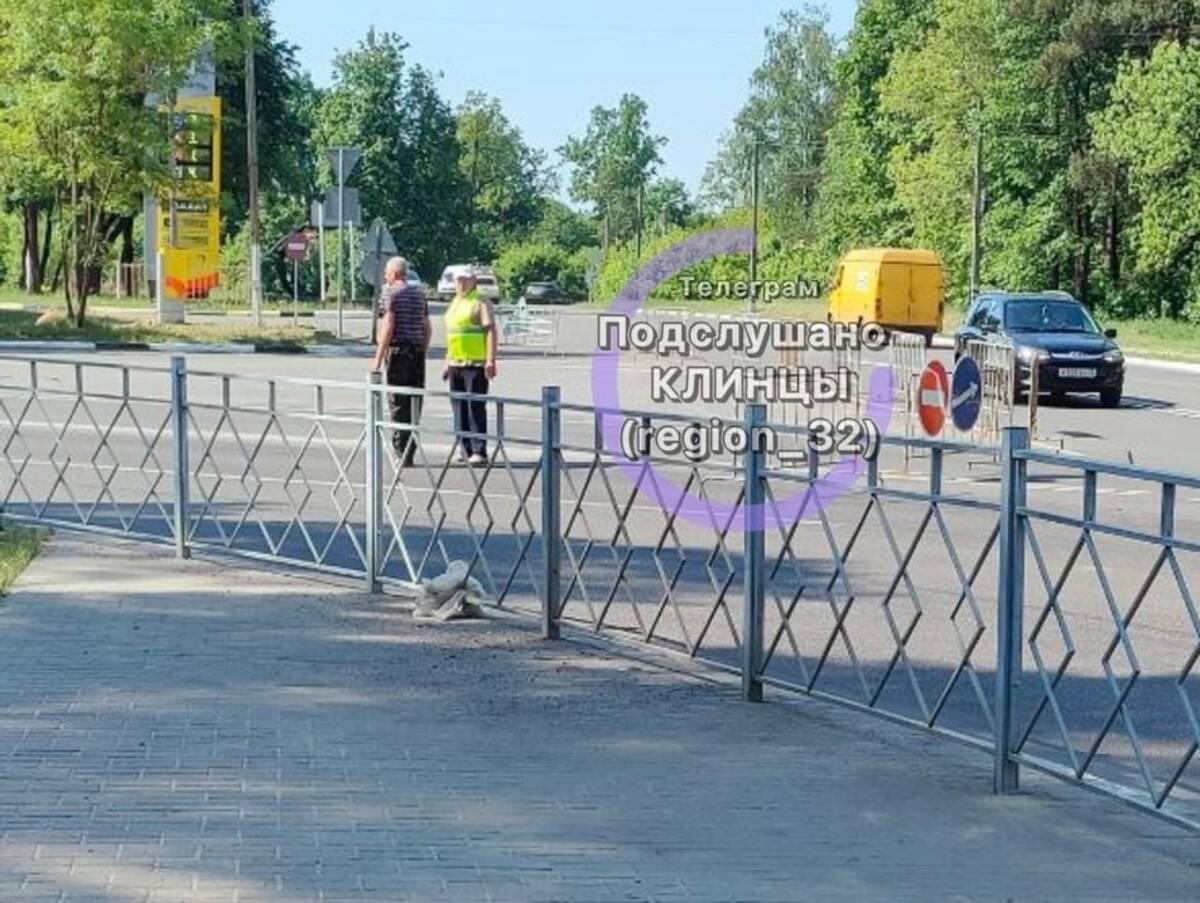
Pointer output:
x,y
943,376
295,246
931,400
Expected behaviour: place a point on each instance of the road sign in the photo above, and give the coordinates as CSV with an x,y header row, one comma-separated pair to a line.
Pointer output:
x,y
295,247
378,246
943,377
333,219
966,394
347,156
932,403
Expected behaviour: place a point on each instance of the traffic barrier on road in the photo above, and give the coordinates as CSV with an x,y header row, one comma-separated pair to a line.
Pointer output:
x,y
997,362
1029,625
521,327
908,356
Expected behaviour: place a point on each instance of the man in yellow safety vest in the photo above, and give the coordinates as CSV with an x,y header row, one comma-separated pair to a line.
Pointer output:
x,y
470,365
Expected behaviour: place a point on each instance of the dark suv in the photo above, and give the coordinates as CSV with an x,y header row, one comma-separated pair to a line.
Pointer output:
x,y
1055,333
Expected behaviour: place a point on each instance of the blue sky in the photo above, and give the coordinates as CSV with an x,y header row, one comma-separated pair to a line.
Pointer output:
x,y
551,61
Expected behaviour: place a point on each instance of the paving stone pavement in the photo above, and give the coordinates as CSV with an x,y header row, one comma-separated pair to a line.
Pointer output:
x,y
203,731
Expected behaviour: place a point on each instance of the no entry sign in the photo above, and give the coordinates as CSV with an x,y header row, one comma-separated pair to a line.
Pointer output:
x,y
931,401
295,247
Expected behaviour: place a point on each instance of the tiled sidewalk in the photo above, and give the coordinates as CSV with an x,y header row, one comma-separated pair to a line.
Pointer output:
x,y
203,731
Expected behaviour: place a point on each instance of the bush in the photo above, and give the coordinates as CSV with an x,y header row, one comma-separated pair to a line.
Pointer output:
x,y
522,264
778,261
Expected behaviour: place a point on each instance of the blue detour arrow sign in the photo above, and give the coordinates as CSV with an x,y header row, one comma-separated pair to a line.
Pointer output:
x,y
966,394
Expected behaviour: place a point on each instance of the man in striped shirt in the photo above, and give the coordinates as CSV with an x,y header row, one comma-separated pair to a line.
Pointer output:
x,y
404,337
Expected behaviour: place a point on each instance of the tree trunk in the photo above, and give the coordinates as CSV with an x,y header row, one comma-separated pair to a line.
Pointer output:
x,y
31,259
1083,257
126,279
47,241
1114,243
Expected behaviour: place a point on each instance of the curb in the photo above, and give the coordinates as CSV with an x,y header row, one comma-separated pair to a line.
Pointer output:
x,y
36,347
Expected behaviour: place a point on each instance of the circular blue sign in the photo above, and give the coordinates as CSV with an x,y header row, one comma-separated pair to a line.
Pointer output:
x,y
966,394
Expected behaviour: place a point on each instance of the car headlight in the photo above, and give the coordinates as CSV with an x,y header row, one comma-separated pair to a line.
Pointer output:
x,y
1114,357
1029,355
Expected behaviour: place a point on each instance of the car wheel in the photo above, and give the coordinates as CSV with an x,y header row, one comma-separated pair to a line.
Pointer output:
x,y
1111,398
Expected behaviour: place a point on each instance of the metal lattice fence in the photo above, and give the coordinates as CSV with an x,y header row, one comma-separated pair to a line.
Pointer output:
x,y
1034,615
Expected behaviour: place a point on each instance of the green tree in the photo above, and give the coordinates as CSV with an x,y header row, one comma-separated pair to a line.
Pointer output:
x,y
564,228
788,114
856,203
667,204
286,106
508,179
73,83
1149,130
612,161
410,174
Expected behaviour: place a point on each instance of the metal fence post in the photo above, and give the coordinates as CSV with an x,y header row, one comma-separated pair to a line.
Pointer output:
x,y
552,538
1010,607
183,476
374,488
754,555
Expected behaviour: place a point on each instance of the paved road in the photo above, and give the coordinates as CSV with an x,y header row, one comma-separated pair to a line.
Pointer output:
x,y
193,732
671,580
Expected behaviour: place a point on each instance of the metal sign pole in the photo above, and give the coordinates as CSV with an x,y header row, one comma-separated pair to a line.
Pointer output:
x,y
341,176
378,302
296,292
350,252
321,246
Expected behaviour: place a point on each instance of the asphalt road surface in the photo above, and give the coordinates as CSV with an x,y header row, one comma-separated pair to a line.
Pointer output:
x,y
912,642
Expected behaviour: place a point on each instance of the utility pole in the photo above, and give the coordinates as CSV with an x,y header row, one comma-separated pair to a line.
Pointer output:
x,y
754,182
977,213
252,167
641,196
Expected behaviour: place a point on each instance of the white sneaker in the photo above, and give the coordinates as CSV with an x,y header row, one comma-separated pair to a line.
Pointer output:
x,y
477,460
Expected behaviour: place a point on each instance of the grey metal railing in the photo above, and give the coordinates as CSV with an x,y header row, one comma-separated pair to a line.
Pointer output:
x,y
945,600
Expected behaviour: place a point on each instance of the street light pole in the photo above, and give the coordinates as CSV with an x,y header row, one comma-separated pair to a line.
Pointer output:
x,y
252,167
754,190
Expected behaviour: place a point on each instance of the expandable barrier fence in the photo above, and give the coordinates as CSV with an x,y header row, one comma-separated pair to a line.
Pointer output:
x,y
1047,618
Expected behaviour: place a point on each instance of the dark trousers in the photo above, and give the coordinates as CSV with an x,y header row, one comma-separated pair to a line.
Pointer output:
x,y
470,415
406,368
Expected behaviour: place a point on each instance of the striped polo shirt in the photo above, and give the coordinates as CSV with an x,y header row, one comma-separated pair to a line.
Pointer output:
x,y
407,303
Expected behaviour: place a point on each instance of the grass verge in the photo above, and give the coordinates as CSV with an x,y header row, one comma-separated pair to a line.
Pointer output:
x,y
18,547
21,325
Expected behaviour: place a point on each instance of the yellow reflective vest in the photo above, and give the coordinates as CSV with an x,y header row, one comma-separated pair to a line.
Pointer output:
x,y
466,340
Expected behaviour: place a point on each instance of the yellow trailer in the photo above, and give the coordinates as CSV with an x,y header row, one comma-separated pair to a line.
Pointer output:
x,y
899,288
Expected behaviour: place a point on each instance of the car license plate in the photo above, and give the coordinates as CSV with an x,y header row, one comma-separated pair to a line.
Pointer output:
x,y
1077,372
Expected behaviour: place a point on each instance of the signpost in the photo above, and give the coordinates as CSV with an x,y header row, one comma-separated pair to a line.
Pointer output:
x,y
188,231
343,160
295,248
966,394
932,402
379,247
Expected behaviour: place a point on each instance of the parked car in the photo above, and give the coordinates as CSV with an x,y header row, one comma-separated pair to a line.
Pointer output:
x,y
545,293
487,285
1055,333
485,282
899,288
